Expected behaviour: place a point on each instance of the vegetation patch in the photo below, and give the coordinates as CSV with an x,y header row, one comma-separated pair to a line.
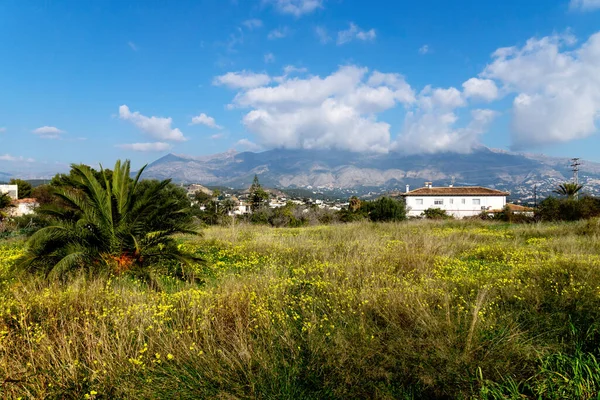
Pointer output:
x,y
424,309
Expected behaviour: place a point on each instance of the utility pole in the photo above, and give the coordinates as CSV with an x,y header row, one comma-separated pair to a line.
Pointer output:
x,y
575,168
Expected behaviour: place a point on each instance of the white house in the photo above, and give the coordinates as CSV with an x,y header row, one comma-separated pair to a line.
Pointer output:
x,y
23,207
459,201
12,190
240,209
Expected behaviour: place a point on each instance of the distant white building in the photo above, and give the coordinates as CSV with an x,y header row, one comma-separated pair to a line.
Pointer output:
x,y
12,190
240,209
23,207
460,201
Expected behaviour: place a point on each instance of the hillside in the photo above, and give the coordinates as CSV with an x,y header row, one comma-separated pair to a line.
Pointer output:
x,y
330,169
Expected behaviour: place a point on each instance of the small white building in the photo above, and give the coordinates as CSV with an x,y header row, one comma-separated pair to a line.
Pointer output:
x,y
23,207
240,209
459,201
12,190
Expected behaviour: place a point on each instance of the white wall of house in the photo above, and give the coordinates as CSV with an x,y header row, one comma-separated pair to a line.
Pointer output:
x,y
240,209
12,190
23,207
457,206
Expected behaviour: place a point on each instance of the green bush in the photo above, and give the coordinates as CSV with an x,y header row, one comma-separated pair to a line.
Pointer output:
x,y
385,209
568,209
436,213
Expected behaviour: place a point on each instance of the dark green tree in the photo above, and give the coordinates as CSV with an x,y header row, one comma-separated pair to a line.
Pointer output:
x,y
568,209
386,209
258,196
122,225
43,195
202,198
5,203
24,188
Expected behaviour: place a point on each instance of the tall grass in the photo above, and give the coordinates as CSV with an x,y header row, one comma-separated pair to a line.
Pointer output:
x,y
411,310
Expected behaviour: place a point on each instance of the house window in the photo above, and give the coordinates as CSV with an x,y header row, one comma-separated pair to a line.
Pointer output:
x,y
463,201
451,201
438,202
419,201
476,202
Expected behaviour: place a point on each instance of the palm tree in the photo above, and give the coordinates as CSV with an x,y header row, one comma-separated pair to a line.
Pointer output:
x,y
114,226
569,189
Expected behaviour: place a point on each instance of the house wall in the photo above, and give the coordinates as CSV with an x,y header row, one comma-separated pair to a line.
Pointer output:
x,y
22,209
454,205
12,190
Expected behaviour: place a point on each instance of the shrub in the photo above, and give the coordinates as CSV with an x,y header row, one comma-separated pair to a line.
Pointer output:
x,y
385,209
568,209
436,213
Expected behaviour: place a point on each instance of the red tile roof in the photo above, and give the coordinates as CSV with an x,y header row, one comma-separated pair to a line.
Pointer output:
x,y
27,201
455,191
516,208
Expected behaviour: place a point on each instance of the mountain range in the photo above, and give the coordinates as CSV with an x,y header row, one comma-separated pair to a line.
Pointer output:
x,y
518,173
359,173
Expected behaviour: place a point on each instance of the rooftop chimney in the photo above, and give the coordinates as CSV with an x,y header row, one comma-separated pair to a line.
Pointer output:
x,y
407,188
428,185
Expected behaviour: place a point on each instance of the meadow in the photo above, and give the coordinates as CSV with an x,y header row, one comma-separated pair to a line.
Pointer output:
x,y
420,309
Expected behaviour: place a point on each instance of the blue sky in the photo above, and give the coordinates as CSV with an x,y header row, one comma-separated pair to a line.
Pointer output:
x,y
93,81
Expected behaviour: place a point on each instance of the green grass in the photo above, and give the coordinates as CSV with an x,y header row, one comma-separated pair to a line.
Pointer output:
x,y
433,310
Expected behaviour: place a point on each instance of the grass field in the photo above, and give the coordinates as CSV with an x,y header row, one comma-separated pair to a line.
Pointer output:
x,y
410,310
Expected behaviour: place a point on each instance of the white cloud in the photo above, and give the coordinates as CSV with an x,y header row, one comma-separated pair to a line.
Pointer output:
x,y
247,145
439,98
484,89
252,24
291,69
236,38
269,58
217,136
242,79
435,131
310,91
424,49
354,32
8,157
322,35
204,119
156,127
48,132
433,126
2,130
585,5
155,146
287,71
132,46
278,33
337,111
296,7
557,91
366,35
